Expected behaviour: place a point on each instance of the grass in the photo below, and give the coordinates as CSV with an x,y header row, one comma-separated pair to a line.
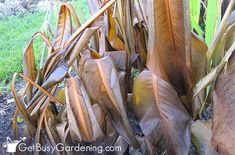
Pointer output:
x,y
82,9
16,31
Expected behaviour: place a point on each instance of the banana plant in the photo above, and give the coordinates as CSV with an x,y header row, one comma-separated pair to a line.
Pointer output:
x,y
133,75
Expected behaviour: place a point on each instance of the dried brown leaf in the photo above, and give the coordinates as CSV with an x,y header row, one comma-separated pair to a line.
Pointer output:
x,y
82,120
81,44
212,76
29,63
64,28
169,42
223,120
161,115
101,81
119,58
199,70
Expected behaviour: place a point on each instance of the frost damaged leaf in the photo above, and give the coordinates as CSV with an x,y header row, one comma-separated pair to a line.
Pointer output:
x,y
199,70
56,77
223,43
101,81
199,49
119,58
169,38
81,44
29,62
161,115
112,37
82,120
123,13
212,76
64,28
100,116
29,67
61,129
22,109
223,120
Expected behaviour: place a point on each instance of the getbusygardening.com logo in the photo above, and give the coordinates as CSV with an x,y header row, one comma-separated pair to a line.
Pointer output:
x,y
11,146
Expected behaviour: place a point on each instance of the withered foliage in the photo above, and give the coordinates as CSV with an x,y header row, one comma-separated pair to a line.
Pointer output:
x,y
86,89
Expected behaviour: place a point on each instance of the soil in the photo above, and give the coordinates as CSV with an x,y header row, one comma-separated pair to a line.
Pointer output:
x,y
7,110
207,113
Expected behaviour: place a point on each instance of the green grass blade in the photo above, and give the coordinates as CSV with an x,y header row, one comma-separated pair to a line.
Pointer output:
x,y
213,16
197,27
194,16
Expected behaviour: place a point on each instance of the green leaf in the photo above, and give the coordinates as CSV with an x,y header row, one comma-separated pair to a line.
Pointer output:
x,y
194,16
19,119
213,16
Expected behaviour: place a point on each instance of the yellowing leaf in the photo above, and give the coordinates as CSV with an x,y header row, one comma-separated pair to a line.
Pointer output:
x,y
114,40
